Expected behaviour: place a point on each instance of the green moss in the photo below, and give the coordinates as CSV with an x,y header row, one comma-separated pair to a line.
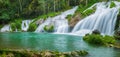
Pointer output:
x,y
32,27
112,5
98,39
49,28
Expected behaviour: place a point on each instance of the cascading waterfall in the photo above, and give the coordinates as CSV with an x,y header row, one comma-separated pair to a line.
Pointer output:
x,y
41,26
24,27
61,27
5,28
103,19
60,22
25,24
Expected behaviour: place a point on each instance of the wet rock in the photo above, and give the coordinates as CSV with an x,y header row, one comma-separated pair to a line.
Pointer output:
x,y
48,54
96,32
40,21
74,20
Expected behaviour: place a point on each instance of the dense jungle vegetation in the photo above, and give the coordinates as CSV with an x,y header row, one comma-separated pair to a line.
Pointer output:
x,y
11,10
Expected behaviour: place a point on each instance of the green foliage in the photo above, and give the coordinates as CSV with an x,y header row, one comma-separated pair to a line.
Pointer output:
x,y
88,12
112,5
13,26
94,39
109,39
32,27
118,0
49,28
45,16
29,9
97,39
69,17
16,25
14,9
82,8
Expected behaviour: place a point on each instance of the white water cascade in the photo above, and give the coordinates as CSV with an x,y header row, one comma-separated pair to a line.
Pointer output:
x,y
60,22
103,19
5,28
25,24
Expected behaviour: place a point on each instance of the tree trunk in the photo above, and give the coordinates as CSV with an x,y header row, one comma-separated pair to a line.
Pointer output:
x,y
20,5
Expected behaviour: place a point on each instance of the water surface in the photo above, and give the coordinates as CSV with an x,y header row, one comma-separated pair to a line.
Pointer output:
x,y
56,42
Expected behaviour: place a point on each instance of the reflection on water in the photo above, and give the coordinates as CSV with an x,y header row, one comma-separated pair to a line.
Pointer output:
x,y
45,41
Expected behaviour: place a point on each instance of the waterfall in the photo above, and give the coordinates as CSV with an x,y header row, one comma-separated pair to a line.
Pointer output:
x,y
5,28
61,27
25,25
103,19
41,26
60,22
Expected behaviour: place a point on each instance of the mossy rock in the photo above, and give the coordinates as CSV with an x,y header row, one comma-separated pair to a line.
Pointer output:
x,y
49,28
96,32
25,53
94,39
69,17
97,39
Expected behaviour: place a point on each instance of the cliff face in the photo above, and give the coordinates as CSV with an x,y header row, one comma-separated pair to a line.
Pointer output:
x,y
117,26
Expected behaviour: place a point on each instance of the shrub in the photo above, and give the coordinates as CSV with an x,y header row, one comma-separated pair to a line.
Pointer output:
x,y
13,26
109,39
112,5
16,25
94,39
32,27
98,39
